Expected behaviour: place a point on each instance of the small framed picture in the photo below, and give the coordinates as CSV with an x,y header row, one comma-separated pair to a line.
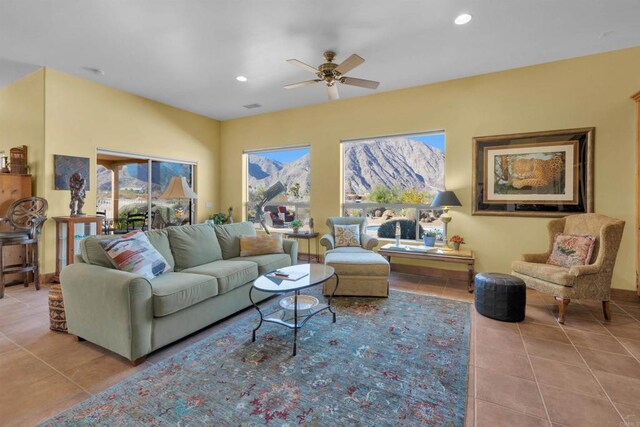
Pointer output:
x,y
534,174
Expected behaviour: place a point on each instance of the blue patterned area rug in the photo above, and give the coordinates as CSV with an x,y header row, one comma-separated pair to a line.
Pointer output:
x,y
385,362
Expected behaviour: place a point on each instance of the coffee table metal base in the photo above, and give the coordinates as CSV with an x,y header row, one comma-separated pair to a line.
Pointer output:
x,y
279,316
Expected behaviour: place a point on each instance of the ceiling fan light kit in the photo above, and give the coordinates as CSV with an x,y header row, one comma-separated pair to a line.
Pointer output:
x,y
331,73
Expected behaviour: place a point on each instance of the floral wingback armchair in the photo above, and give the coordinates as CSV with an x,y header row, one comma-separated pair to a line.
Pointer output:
x,y
367,243
592,281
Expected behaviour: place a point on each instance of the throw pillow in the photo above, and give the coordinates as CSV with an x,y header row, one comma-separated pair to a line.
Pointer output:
x,y
261,244
571,249
134,253
347,235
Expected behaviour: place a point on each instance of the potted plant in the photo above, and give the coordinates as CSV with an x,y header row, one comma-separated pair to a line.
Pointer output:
x,y
457,241
296,224
429,238
218,218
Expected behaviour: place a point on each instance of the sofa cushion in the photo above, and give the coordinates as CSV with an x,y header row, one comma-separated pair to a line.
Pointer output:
x,y
230,274
358,263
229,237
92,252
349,250
547,272
173,292
194,245
160,240
267,263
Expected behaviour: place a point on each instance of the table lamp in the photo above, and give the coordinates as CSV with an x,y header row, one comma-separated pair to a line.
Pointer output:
x,y
445,200
179,189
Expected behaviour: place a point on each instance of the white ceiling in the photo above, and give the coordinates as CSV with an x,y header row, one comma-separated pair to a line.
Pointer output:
x,y
187,53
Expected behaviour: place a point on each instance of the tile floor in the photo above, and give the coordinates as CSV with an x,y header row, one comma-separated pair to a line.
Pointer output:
x,y
534,373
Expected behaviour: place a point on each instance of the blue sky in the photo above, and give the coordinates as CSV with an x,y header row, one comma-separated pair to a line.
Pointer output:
x,y
286,156
435,140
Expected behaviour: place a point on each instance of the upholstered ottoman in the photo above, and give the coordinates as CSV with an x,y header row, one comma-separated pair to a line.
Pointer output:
x,y
500,296
362,273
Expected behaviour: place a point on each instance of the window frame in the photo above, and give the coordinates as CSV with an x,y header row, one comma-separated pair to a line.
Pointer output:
x,y
344,205
296,204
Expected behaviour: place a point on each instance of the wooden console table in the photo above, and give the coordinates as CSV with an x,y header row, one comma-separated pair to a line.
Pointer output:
x,y
463,256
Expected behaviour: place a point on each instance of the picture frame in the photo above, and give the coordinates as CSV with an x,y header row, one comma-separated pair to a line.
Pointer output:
x,y
537,174
65,166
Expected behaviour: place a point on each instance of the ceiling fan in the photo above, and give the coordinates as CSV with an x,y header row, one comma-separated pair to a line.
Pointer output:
x,y
331,73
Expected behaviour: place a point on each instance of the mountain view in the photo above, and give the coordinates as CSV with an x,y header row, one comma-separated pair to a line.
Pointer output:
x,y
264,172
392,163
134,177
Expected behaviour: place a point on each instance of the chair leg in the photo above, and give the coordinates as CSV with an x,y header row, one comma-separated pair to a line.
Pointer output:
x,y
1,274
36,263
606,310
562,306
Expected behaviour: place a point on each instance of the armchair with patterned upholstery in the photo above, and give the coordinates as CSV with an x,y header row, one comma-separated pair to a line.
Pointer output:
x,y
367,243
592,281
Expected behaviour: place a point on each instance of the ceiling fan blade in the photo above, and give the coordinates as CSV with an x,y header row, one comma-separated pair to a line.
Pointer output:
x,y
349,64
369,84
333,92
300,84
302,65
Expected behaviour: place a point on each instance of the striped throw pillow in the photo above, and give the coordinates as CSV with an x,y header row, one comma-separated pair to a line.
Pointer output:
x,y
262,244
134,253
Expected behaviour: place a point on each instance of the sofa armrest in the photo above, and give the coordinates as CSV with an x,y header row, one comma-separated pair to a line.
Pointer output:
x,y
368,242
327,241
108,307
537,258
583,270
290,246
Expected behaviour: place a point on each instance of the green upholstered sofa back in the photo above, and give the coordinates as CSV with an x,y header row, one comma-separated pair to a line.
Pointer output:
x,y
229,237
194,245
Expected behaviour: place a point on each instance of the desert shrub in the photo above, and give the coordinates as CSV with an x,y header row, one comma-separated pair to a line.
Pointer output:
x,y
407,229
382,194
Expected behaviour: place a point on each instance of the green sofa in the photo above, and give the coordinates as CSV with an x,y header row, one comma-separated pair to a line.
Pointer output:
x,y
132,316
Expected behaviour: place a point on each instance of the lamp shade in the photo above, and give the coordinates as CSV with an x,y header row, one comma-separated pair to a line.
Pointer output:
x,y
178,189
445,198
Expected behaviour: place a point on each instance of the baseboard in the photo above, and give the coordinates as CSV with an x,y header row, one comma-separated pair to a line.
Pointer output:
x,y
624,295
430,272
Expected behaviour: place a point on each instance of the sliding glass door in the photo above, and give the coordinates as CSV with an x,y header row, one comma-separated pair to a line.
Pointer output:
x,y
132,192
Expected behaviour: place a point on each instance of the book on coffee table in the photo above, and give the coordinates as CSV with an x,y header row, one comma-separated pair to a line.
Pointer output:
x,y
290,275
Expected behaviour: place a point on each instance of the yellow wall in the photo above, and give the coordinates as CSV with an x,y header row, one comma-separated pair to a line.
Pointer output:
x,y
582,92
22,121
82,116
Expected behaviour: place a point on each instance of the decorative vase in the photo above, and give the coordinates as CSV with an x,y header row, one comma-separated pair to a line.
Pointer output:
x,y
429,240
296,230
456,246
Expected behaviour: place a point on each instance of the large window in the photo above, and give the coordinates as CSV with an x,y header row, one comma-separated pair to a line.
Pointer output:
x,y
291,167
394,178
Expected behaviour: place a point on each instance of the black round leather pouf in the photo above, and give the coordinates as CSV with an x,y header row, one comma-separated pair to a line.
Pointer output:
x,y
500,296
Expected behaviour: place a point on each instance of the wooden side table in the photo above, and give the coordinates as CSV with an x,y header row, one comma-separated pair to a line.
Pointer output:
x,y
463,256
307,237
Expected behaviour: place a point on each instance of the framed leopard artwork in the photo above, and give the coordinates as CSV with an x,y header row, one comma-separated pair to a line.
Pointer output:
x,y
534,174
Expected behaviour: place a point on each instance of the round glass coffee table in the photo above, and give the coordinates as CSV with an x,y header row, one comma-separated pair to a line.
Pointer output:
x,y
296,310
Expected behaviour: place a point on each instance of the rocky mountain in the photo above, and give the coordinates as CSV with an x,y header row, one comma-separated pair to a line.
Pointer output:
x,y
264,172
400,162
134,177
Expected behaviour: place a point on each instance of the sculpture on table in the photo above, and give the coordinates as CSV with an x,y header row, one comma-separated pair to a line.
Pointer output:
x,y
269,194
78,194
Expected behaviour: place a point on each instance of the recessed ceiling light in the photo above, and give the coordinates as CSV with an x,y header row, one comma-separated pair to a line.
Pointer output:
x,y
465,18
96,71
241,78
